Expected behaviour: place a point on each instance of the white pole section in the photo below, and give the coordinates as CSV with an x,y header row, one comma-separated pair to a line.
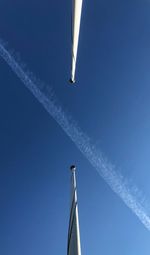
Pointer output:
x,y
76,20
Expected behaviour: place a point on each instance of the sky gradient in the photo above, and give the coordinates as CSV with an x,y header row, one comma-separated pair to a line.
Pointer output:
x,y
111,105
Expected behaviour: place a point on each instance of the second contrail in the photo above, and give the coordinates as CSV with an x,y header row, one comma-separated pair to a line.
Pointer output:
x,y
117,183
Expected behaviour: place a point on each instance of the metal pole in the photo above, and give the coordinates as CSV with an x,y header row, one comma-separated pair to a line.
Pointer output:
x,y
74,245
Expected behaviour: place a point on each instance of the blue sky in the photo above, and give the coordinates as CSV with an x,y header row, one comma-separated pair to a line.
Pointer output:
x,y
110,103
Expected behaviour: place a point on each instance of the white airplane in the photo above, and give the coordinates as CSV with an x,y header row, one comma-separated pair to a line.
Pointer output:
x,y
76,19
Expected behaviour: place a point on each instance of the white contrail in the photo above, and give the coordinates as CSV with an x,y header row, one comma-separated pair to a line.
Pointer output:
x,y
117,183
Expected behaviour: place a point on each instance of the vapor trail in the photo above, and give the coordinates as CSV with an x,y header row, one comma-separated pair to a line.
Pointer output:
x,y
117,183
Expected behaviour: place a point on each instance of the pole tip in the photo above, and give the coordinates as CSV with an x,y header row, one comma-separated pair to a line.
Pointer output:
x,y
73,168
72,81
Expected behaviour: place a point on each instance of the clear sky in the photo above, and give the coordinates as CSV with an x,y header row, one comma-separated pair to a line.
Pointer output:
x,y
111,103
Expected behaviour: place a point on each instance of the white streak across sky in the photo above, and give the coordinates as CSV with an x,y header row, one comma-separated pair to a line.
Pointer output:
x,y
115,180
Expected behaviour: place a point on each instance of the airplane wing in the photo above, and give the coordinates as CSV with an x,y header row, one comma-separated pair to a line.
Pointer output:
x,y
76,18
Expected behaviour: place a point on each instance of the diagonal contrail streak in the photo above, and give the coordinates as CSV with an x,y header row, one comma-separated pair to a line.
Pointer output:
x,y
116,181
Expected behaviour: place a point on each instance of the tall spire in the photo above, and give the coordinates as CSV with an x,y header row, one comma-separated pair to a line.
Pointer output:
x,y
74,246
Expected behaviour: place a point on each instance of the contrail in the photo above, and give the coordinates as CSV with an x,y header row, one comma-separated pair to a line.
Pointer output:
x,y
116,181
